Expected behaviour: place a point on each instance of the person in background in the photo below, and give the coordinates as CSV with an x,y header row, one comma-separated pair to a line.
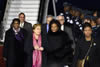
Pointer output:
x,y
95,13
94,27
65,27
66,12
98,28
24,24
93,23
28,27
82,16
45,27
62,22
86,20
87,49
77,20
98,22
77,25
13,51
72,11
59,50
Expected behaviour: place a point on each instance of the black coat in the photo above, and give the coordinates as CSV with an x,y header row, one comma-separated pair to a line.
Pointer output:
x,y
44,29
76,28
29,52
81,50
59,49
14,49
68,30
95,55
98,33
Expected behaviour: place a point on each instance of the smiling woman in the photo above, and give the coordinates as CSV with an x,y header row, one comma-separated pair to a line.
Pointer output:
x,y
59,51
13,51
87,49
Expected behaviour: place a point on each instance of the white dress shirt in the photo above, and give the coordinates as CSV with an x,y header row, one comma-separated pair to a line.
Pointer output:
x,y
22,24
62,27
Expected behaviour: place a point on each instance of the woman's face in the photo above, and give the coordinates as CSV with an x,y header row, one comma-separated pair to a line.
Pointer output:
x,y
87,31
95,14
16,25
98,21
93,23
54,27
37,30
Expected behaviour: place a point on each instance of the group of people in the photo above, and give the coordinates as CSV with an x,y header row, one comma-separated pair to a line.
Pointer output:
x,y
64,41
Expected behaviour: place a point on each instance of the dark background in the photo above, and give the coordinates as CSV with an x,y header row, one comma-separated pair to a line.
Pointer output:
x,y
2,8
86,4
91,5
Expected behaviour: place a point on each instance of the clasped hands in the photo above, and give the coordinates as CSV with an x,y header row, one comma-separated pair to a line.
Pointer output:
x,y
36,47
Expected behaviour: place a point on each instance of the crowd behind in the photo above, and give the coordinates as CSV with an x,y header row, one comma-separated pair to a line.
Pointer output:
x,y
68,40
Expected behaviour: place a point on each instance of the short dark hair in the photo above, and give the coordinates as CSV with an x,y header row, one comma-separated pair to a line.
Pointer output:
x,y
55,22
13,21
22,14
86,25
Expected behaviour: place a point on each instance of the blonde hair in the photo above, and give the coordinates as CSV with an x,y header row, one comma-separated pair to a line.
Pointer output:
x,y
35,25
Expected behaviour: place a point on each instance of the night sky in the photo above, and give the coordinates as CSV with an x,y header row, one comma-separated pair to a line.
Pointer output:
x,y
91,5
86,4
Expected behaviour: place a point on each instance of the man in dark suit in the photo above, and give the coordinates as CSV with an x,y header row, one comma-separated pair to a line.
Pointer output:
x,y
28,27
23,24
67,29
45,27
13,51
64,26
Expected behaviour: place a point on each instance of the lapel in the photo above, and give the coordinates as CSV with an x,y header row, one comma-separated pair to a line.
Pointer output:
x,y
25,25
65,27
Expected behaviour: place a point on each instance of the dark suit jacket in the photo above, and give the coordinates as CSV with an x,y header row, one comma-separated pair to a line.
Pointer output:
x,y
44,32
28,27
68,30
44,28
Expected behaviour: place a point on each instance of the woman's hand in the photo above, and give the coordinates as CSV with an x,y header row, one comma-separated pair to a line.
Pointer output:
x,y
36,47
41,48
5,59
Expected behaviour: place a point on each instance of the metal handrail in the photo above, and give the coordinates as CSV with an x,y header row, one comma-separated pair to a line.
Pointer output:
x,y
43,11
4,19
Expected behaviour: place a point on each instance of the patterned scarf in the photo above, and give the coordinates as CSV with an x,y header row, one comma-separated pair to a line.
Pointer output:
x,y
37,55
19,36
